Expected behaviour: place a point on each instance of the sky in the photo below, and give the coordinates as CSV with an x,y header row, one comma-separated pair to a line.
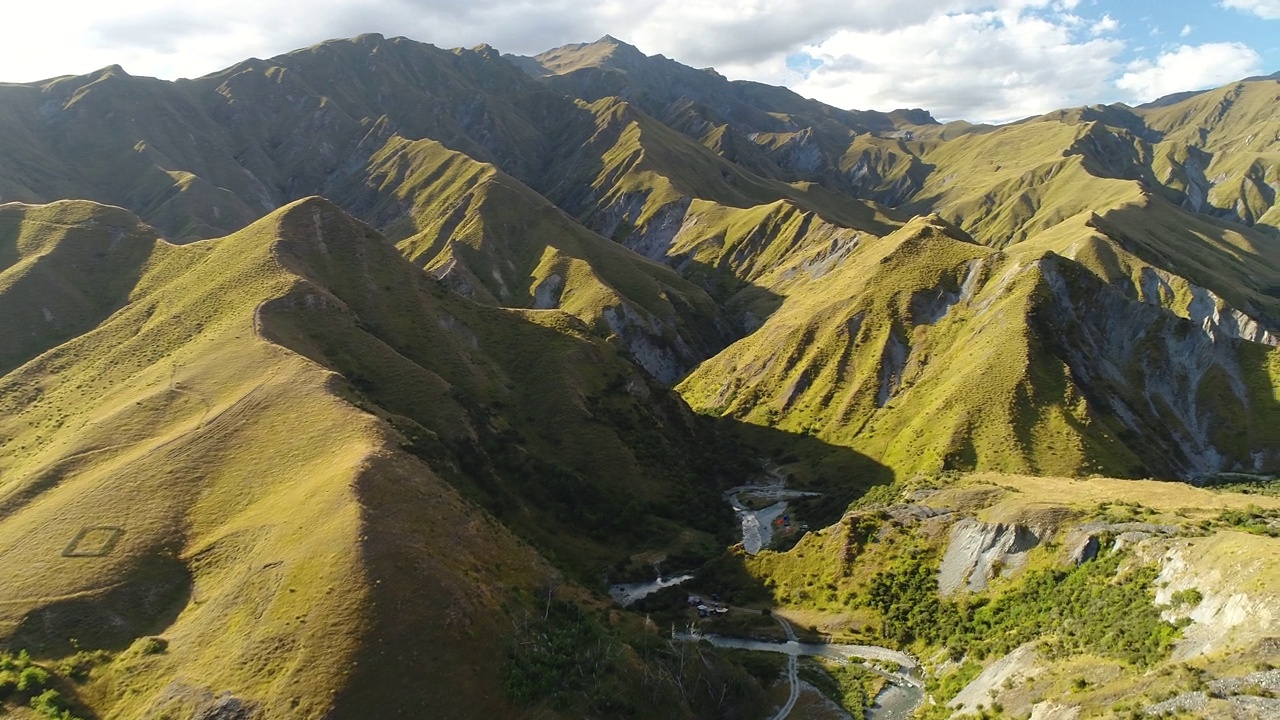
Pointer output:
x,y
992,61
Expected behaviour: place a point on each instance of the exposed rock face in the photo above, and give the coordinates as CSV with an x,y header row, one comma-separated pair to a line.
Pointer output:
x,y
1054,711
1082,543
1081,547
547,293
979,552
1107,340
1239,695
644,339
1236,607
1010,669
1217,319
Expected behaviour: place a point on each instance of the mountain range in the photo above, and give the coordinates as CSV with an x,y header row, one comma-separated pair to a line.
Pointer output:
x,y
329,374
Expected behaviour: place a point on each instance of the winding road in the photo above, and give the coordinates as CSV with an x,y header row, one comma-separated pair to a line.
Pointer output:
x,y
899,699
793,673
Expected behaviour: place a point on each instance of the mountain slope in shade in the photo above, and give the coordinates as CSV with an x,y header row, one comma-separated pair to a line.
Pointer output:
x,y
517,179
223,460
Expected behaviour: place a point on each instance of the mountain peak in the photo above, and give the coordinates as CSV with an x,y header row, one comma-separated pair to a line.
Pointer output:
x,y
110,71
913,116
608,52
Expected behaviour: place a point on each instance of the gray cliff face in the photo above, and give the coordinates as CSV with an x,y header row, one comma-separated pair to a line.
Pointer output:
x,y
1178,383
979,552
652,345
655,238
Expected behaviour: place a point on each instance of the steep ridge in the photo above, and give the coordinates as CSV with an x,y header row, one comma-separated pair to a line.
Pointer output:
x,y
63,269
200,157
929,352
492,239
351,119
1219,150
177,469
636,180
769,130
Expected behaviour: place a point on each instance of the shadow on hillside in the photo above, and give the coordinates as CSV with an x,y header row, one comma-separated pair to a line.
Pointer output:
x,y
147,602
1170,237
57,299
841,474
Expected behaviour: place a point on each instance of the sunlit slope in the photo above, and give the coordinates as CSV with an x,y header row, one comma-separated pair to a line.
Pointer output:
x,y
643,184
927,351
494,240
1142,590
173,471
63,269
1005,186
1221,150
167,465
770,131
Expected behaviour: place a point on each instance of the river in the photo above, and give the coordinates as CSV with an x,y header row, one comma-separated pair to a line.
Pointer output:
x,y
757,525
901,695
627,593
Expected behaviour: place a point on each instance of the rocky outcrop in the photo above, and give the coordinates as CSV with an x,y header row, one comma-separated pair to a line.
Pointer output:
x,y
1248,697
1009,670
661,353
1054,711
1148,369
1083,542
979,552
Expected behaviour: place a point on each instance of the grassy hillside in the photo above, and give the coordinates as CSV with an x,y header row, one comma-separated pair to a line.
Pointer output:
x,y
267,454
929,352
222,462
1100,597
494,240
63,269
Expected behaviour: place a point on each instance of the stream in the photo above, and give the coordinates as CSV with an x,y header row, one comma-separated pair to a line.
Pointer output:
x,y
627,593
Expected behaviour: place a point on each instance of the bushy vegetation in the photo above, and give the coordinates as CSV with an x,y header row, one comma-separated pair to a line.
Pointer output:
x,y
569,661
22,679
907,598
1269,487
948,685
565,659
1092,608
849,685
1253,519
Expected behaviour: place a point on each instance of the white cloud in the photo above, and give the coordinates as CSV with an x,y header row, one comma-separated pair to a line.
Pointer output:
x,y
1268,9
1105,25
977,59
993,66
1186,30
1189,68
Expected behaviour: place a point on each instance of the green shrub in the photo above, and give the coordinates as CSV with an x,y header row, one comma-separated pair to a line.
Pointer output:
x,y
1088,608
78,666
33,679
50,704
